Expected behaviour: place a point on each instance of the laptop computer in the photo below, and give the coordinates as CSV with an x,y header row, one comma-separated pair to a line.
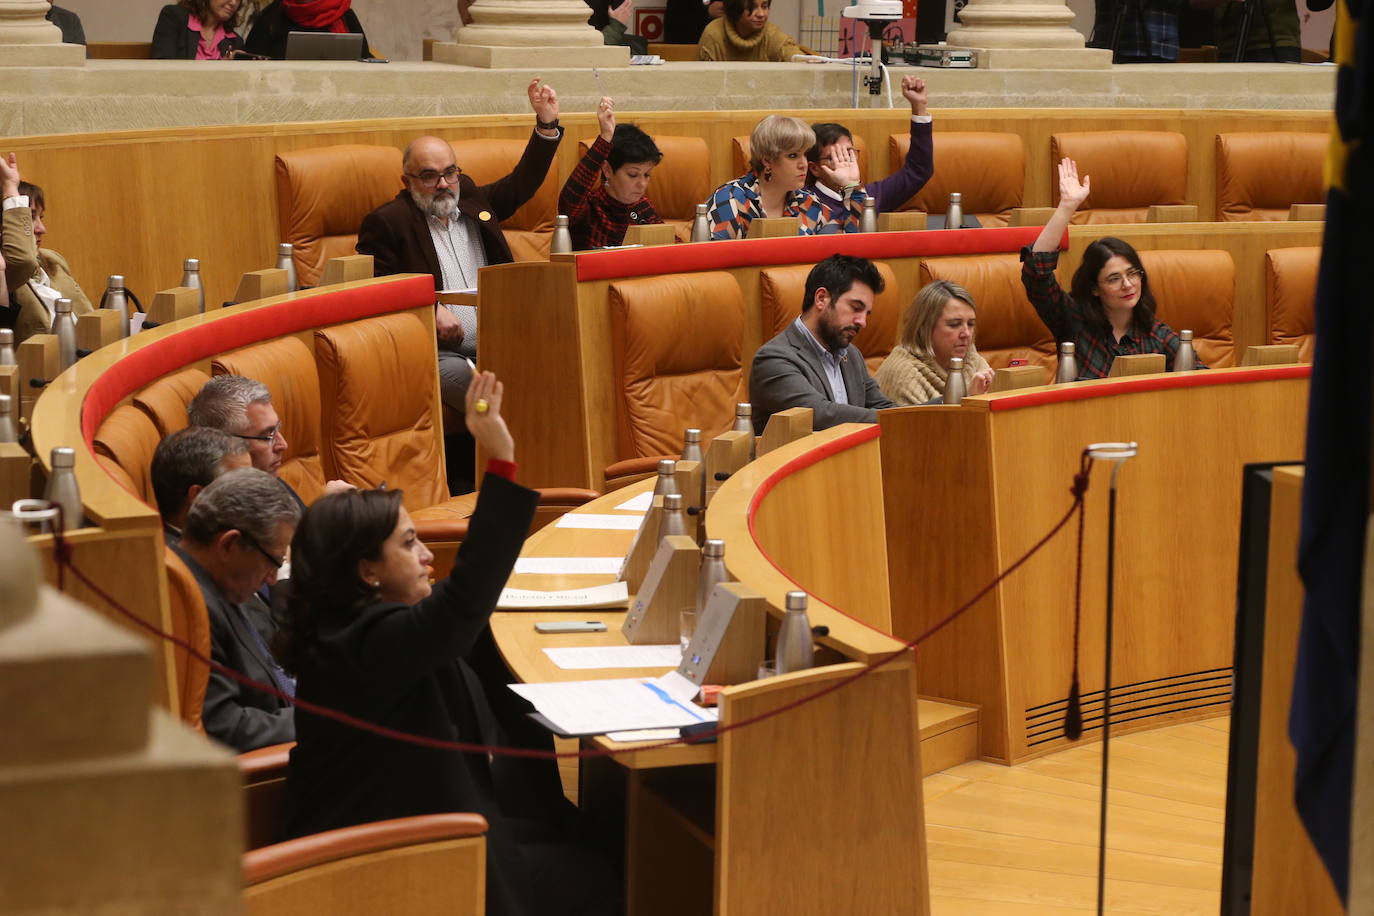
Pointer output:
x,y
325,46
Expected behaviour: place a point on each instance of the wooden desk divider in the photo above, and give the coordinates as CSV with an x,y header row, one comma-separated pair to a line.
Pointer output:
x,y
728,453
1030,216
38,362
98,329
902,221
774,227
1137,364
690,483
728,645
1307,212
669,586
347,269
1171,213
172,305
16,472
1019,377
786,426
655,234
643,548
262,284
1272,355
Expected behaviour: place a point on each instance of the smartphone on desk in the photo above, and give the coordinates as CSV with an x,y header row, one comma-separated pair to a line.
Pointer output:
x,y
1017,362
569,626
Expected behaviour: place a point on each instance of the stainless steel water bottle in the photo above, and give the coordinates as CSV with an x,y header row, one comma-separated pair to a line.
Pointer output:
x,y
562,238
1185,359
744,423
62,489
673,520
1068,363
701,225
869,221
954,216
666,484
954,383
691,445
64,328
116,301
190,277
712,572
794,636
9,429
7,348
286,260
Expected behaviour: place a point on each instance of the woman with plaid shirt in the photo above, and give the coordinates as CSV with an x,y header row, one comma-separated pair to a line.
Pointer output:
x,y
604,195
773,186
1109,310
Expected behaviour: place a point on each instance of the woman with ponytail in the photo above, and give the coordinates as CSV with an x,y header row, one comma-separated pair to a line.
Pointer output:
x,y
283,17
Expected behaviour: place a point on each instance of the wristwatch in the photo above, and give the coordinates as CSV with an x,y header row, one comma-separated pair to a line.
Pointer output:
x,y
545,125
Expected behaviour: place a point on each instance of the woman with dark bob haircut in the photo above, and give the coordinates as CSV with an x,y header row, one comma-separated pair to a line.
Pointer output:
x,y
365,632
1109,310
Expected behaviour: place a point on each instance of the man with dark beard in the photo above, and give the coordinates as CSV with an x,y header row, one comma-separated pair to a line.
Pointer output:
x,y
444,224
812,362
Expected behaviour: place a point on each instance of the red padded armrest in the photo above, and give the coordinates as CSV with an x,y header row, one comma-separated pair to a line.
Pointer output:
x,y
565,496
632,466
265,762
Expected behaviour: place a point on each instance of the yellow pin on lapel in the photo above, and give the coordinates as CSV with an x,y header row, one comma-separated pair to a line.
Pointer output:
x,y
484,216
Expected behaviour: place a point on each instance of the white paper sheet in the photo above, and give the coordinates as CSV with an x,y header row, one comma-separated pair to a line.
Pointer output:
x,y
594,520
640,503
597,707
614,595
570,566
580,657
644,734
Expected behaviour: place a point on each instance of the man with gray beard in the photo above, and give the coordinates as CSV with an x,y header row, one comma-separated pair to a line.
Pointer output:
x,y
445,225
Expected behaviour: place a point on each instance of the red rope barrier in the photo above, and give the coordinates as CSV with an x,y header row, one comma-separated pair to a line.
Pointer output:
x,y
63,552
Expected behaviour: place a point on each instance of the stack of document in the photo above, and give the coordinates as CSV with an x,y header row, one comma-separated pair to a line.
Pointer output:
x,y
613,595
598,707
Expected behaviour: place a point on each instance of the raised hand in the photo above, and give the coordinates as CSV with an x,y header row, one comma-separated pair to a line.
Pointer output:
x,y
982,381
483,416
623,14
543,100
844,172
605,116
1071,190
9,175
914,91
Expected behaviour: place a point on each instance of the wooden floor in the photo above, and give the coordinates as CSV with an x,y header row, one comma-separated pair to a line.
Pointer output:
x,y
1022,840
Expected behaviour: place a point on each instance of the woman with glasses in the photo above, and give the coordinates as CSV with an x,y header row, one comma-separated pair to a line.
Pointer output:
x,y
1109,310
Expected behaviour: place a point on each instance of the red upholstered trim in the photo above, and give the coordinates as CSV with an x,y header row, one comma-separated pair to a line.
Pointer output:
x,y
305,311
805,460
1140,384
669,259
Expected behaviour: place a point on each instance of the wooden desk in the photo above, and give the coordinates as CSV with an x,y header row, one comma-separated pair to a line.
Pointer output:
x,y
967,490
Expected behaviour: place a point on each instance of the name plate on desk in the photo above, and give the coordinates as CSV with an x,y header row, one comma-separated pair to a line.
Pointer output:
x,y
1137,364
669,587
728,644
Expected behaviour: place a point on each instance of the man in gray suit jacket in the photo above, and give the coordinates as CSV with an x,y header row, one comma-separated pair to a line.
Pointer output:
x,y
236,537
812,362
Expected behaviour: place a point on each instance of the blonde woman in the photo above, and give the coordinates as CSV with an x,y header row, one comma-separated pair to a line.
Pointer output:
x,y
773,186
937,326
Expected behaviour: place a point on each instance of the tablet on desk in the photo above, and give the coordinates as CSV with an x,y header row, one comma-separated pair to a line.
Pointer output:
x,y
325,46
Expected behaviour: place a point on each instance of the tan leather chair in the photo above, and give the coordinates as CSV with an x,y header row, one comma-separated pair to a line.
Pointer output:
x,y
1290,293
1197,290
127,439
190,621
1261,174
1008,327
530,229
287,367
428,864
679,182
323,195
264,786
677,343
165,401
1131,171
739,156
781,290
988,169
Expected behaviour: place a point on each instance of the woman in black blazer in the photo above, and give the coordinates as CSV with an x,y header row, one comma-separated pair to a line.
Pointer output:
x,y
365,633
176,37
276,22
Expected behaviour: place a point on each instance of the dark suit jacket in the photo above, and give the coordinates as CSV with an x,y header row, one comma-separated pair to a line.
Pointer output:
x,y
401,666
272,26
234,714
396,234
787,372
174,40
69,23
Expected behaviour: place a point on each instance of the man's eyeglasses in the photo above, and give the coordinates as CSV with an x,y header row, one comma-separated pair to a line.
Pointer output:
x,y
1135,276
429,178
268,435
252,542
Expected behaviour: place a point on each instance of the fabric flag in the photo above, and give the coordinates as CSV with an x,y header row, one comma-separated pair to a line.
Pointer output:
x,y
1335,499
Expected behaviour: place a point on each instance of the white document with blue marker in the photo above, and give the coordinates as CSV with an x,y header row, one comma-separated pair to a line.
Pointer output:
x,y
622,704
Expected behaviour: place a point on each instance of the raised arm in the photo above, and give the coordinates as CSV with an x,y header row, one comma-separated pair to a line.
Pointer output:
x,y
572,200
844,173
1072,193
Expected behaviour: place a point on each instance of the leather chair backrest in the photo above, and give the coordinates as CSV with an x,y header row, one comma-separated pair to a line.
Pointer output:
x,y
165,401
739,157
190,621
1261,174
1290,293
781,290
381,405
323,195
1197,290
1131,170
287,368
677,341
128,438
1008,327
530,229
988,169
